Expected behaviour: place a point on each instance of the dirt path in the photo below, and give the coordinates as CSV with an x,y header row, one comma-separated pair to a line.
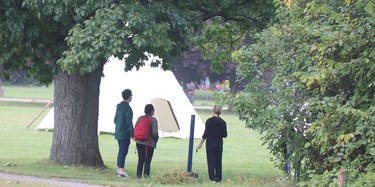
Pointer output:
x,y
53,182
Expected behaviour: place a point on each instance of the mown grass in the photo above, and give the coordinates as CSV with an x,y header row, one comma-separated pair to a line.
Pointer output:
x,y
25,151
205,97
32,92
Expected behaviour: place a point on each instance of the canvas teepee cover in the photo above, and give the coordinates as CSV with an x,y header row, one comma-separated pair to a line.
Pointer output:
x,y
149,85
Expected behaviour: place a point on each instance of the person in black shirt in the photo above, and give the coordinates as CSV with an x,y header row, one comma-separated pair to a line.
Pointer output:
x,y
214,132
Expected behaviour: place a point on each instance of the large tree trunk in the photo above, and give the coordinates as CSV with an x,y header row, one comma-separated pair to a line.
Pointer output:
x,y
75,134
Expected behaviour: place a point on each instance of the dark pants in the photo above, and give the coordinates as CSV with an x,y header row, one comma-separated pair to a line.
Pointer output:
x,y
122,152
214,161
144,161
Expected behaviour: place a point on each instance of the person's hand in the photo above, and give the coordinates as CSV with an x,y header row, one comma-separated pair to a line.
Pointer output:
x,y
198,147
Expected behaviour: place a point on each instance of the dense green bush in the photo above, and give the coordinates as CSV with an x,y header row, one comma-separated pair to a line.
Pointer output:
x,y
317,112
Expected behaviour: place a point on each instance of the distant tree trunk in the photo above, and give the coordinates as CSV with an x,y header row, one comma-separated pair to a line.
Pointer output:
x,y
1,90
75,134
234,87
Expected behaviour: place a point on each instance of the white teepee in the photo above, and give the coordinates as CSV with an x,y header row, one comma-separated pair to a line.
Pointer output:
x,y
149,85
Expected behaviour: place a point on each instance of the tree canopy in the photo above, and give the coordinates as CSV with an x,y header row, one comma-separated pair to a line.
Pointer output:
x,y
228,25
316,112
78,34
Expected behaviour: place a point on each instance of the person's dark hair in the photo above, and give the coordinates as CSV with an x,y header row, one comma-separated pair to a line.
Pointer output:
x,y
126,94
149,108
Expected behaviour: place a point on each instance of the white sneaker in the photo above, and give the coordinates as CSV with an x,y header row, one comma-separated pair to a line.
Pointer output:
x,y
123,175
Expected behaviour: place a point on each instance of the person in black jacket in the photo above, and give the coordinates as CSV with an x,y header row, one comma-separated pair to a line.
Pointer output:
x,y
214,132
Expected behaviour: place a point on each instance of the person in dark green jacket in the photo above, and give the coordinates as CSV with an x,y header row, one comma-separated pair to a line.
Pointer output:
x,y
123,131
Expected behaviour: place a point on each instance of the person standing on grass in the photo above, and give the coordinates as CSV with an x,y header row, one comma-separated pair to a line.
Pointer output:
x,y
123,131
214,132
146,148
190,91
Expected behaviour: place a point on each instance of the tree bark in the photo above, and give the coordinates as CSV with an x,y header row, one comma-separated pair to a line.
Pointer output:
x,y
75,134
1,90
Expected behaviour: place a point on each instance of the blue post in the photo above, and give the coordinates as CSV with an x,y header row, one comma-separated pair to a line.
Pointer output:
x,y
191,143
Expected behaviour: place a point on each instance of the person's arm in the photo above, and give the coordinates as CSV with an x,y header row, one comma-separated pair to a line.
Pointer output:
x,y
204,137
154,129
129,121
225,132
200,144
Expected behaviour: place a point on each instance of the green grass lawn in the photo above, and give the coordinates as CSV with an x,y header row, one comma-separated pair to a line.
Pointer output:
x,y
26,151
32,92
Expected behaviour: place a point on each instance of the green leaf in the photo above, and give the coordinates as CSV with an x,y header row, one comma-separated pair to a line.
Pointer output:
x,y
370,9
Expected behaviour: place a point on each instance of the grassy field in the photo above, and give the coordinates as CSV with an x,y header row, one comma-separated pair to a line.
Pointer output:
x,y
31,92
25,151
